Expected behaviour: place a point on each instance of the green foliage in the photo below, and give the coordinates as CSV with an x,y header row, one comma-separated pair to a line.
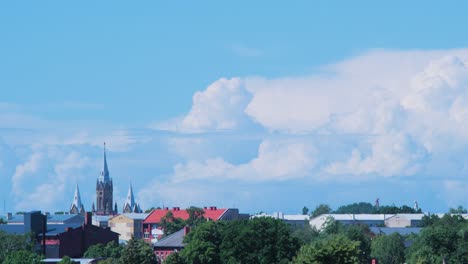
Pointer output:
x,y
147,211
11,243
260,240
2,221
332,227
137,251
66,260
321,209
445,237
368,208
336,249
22,257
196,216
175,258
203,244
171,224
362,234
305,210
356,208
111,250
388,249
459,210
305,234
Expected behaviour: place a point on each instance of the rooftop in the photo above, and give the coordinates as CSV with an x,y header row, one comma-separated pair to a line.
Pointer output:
x,y
155,216
174,240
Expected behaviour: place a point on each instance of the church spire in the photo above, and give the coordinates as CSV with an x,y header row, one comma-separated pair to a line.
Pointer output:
x,y
77,207
130,206
105,172
130,197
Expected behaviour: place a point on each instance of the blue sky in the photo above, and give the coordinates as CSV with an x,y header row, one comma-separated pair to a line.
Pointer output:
x,y
266,106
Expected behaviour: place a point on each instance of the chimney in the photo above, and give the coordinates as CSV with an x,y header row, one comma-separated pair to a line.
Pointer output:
x,y
88,218
186,230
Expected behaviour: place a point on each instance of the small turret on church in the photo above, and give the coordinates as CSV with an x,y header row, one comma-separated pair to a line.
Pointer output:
x,y
130,205
104,191
77,207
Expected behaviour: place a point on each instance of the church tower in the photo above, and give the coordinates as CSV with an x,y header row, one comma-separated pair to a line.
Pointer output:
x,y
104,191
77,207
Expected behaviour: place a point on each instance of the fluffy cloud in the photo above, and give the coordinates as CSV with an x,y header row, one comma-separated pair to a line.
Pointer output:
x,y
391,155
219,107
34,183
30,166
276,160
402,107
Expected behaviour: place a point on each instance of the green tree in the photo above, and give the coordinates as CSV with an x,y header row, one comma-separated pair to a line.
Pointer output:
x,y
66,260
388,249
147,211
137,251
332,227
196,216
22,257
203,244
337,249
356,208
260,240
305,210
305,234
10,243
459,210
171,224
96,251
442,238
362,234
2,221
175,258
321,209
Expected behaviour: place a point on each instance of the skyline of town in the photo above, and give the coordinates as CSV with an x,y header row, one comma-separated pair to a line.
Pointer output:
x,y
258,106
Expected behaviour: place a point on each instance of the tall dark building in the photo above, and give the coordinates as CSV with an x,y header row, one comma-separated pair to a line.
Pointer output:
x,y
104,191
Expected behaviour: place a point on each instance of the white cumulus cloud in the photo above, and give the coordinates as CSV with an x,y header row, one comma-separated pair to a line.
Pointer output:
x,y
276,160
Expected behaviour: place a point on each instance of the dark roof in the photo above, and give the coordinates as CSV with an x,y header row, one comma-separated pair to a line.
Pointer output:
x,y
174,240
400,230
13,229
57,218
53,230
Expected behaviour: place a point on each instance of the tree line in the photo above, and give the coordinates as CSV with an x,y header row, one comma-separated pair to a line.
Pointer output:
x,y
268,240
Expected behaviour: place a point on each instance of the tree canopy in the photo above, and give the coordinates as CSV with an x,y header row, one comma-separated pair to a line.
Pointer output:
x,y
14,243
260,240
388,249
137,251
333,249
22,257
442,238
321,209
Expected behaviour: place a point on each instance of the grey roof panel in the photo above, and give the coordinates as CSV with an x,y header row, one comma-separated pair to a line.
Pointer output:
x,y
174,240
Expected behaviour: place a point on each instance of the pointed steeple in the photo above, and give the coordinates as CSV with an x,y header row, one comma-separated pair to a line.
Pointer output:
x,y
105,172
130,206
130,197
77,206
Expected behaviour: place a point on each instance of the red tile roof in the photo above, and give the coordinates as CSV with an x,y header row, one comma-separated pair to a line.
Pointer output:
x,y
155,216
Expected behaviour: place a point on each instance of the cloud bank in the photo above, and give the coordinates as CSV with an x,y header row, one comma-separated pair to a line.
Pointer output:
x,y
391,114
